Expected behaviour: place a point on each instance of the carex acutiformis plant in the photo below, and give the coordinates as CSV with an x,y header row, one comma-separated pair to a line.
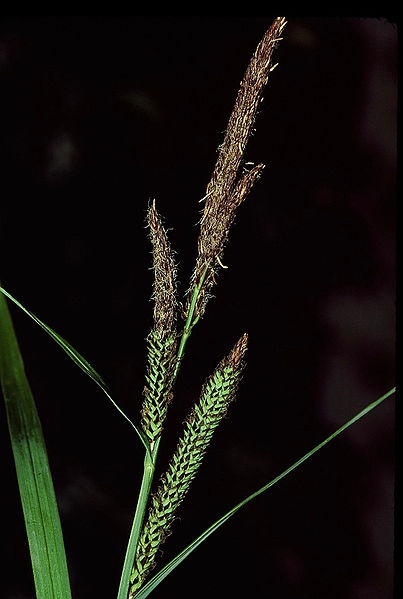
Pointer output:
x,y
229,185
156,509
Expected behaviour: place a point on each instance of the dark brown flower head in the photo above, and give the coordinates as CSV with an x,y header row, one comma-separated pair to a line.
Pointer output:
x,y
164,295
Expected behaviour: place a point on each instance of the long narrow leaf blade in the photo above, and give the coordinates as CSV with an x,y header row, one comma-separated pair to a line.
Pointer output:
x,y
163,573
34,478
77,359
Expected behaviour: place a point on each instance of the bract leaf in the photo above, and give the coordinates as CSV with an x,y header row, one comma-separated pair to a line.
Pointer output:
x,y
163,573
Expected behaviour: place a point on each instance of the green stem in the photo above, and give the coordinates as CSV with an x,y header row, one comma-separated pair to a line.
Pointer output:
x,y
189,323
148,474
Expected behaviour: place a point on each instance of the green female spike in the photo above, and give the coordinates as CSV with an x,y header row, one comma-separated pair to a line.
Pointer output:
x,y
218,392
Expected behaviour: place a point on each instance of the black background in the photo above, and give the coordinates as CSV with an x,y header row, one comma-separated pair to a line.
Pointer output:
x,y
99,115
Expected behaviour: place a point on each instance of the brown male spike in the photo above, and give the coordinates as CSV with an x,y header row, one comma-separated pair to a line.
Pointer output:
x,y
224,192
165,301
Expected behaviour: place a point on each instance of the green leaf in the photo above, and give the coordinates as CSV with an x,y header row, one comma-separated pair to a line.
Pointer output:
x,y
163,573
79,360
34,478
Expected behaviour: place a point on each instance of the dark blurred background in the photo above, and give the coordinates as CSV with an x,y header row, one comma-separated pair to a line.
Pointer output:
x,y
98,116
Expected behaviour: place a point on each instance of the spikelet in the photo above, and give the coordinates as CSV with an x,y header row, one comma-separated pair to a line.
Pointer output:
x,y
159,380
217,393
162,340
224,192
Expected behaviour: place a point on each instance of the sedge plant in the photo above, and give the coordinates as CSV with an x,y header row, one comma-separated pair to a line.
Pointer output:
x,y
173,321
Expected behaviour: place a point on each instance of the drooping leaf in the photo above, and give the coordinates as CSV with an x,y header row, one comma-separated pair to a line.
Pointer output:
x,y
77,359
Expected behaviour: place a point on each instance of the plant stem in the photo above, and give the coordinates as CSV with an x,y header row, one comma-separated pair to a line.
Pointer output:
x,y
148,474
189,324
